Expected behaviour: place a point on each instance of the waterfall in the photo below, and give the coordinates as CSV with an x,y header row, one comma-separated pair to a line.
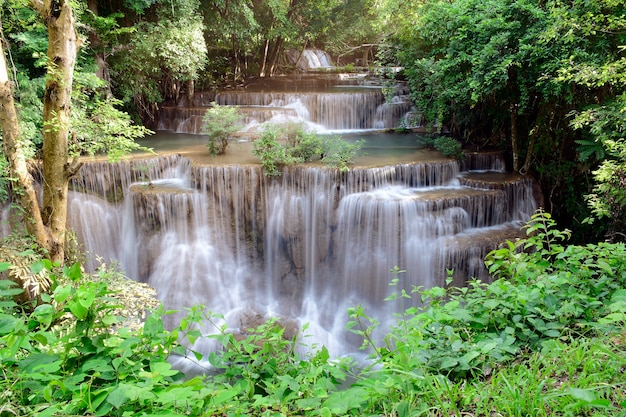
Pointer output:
x,y
339,107
303,246
316,59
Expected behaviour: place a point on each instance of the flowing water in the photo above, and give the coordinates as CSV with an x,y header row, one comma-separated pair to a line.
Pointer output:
x,y
304,246
307,245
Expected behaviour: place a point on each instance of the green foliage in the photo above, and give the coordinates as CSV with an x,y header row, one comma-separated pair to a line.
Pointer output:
x,y
542,291
277,147
508,72
271,152
446,145
159,57
449,147
339,153
608,199
63,358
98,126
138,6
263,371
220,123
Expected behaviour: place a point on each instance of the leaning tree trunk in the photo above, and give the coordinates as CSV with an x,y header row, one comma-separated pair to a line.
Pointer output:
x,y
63,45
14,152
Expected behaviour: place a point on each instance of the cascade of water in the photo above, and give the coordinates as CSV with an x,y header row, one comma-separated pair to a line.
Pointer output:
x,y
316,58
305,245
320,109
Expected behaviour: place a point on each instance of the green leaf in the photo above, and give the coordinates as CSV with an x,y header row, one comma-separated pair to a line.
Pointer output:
x,y
224,395
37,267
44,314
62,292
118,397
86,296
325,412
163,368
584,395
448,363
7,324
340,402
74,272
78,310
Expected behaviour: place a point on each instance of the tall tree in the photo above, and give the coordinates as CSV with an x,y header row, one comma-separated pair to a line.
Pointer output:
x,y
73,121
63,44
47,225
14,150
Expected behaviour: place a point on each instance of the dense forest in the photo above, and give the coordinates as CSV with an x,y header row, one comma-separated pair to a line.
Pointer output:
x,y
543,81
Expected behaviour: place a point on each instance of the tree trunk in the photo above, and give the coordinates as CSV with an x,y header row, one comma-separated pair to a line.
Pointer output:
x,y
265,57
514,139
63,44
14,152
273,57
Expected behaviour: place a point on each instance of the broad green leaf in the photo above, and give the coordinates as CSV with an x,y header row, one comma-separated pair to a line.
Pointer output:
x,y
74,272
78,310
37,267
62,292
340,402
7,323
584,395
224,395
86,296
447,363
118,397
163,368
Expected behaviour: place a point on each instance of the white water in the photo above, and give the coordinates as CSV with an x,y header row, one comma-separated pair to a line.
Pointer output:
x,y
337,108
305,246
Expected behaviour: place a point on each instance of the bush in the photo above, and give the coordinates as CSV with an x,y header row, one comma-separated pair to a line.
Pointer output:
x,y
277,147
446,145
542,291
545,335
271,152
220,123
306,146
339,153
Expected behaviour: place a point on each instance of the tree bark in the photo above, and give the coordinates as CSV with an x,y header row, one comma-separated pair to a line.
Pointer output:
x,y
265,57
63,44
14,152
514,139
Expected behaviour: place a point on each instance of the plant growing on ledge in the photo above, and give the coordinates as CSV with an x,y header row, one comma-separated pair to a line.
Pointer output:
x,y
446,145
287,145
220,123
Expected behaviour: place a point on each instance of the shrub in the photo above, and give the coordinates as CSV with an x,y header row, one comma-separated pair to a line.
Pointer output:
x,y
277,147
446,145
306,146
542,291
271,152
339,153
220,123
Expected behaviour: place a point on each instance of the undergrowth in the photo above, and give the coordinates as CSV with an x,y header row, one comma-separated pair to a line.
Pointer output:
x,y
544,338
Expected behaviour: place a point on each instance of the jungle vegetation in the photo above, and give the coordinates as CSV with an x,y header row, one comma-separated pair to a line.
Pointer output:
x,y
541,80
